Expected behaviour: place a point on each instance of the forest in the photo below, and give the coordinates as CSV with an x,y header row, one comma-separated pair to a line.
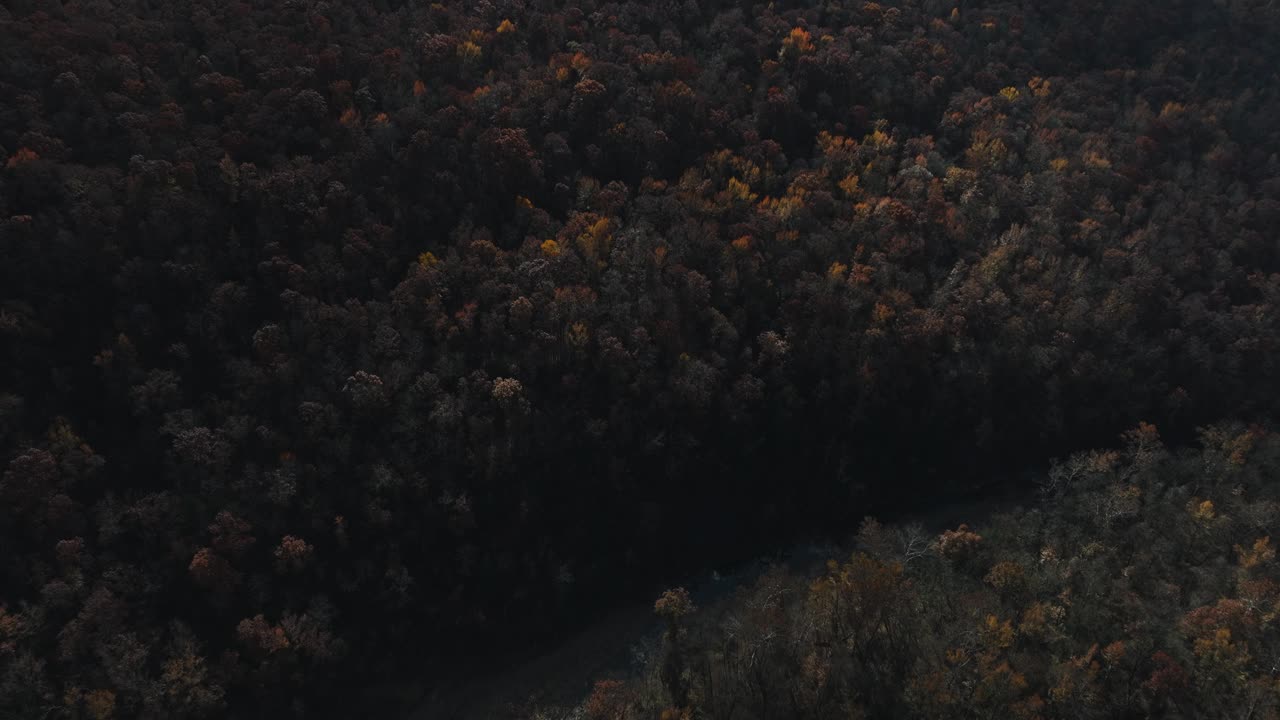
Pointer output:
x,y
1142,583
345,344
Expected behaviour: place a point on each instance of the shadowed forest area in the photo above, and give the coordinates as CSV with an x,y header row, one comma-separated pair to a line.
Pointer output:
x,y
1143,583
343,345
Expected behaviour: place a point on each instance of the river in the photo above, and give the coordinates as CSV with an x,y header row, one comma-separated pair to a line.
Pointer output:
x,y
563,675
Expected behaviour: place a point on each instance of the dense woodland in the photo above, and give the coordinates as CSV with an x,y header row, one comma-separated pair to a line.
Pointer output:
x,y
1144,584
342,341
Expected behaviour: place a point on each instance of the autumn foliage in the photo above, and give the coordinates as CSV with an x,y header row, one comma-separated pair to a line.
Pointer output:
x,y
341,343
1072,617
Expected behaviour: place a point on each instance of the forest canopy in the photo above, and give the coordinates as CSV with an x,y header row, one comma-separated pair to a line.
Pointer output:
x,y
1142,583
345,340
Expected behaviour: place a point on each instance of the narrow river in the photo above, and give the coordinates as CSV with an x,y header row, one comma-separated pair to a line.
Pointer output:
x,y
563,675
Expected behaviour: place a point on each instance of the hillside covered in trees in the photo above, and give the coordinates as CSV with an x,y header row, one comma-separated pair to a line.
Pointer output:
x,y
341,342
1144,584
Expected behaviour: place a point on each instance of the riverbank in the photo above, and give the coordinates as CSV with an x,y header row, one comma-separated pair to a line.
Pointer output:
x,y
561,676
